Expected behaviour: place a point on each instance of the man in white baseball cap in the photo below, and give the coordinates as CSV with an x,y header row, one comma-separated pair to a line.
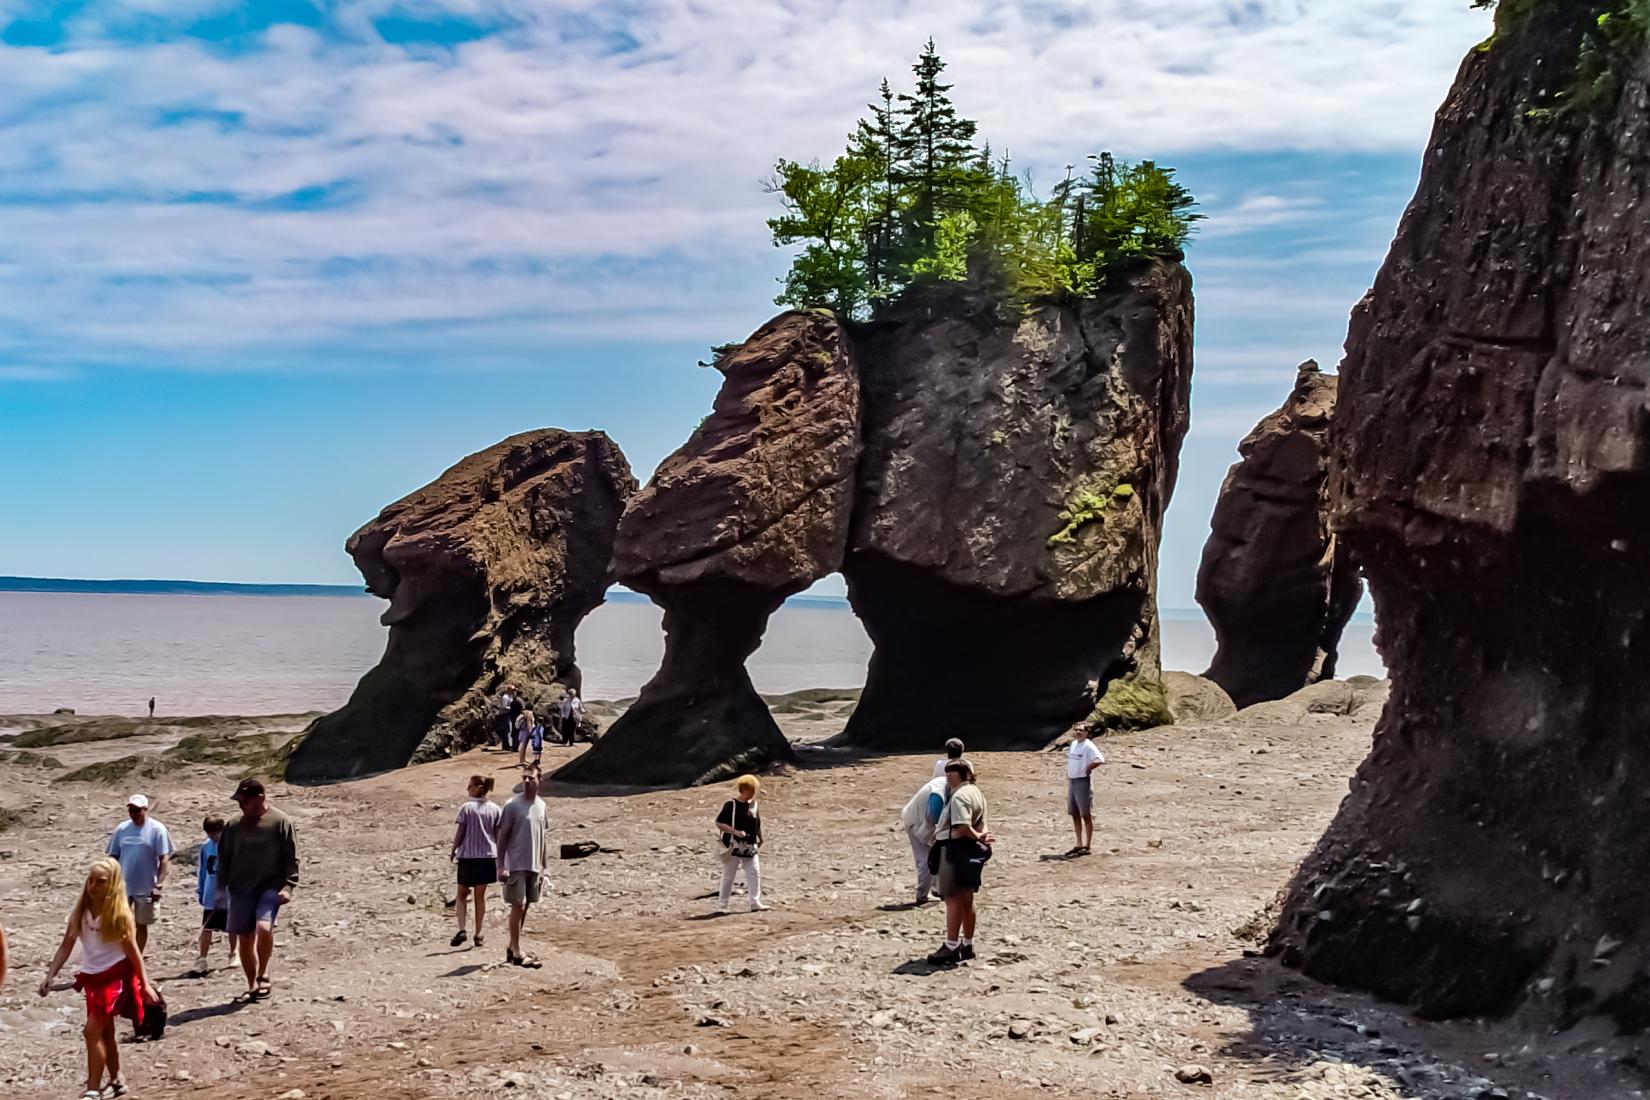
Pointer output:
x,y
143,847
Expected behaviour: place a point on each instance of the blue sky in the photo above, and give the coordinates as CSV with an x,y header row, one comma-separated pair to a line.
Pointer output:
x,y
266,266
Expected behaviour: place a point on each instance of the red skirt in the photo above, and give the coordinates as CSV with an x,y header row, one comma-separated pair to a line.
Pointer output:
x,y
112,992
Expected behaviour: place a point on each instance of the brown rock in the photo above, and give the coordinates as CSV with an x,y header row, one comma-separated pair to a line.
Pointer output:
x,y
1016,470
753,508
1277,588
1495,461
488,570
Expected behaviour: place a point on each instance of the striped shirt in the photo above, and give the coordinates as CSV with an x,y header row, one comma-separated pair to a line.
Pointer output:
x,y
479,821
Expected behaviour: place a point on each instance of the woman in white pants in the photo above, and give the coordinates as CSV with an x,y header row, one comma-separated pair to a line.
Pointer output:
x,y
918,818
740,824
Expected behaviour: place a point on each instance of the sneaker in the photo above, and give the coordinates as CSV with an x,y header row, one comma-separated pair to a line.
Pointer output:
x,y
946,956
759,907
201,968
965,952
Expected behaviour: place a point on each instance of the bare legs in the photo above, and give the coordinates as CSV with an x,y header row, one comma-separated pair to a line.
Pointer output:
x,y
959,916
1083,826
468,895
518,917
256,950
102,1052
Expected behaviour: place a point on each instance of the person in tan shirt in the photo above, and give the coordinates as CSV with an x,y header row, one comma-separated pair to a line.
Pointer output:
x,y
965,842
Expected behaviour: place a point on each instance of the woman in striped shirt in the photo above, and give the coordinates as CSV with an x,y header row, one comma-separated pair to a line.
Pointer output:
x,y
475,850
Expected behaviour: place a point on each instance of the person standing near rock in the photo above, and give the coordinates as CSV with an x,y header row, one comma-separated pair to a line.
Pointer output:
x,y
953,751
965,844
111,972
1081,760
569,709
143,847
506,717
529,734
523,854
258,865
918,819
475,850
2,956
740,824
151,707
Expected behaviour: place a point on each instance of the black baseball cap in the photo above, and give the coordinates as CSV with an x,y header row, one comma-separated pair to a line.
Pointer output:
x,y
249,788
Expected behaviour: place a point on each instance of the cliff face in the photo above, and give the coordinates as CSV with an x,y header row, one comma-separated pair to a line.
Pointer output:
x,y
754,507
488,570
1004,550
1276,585
1495,458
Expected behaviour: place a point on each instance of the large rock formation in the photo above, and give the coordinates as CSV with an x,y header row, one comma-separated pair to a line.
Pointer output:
x,y
1011,496
1494,464
1277,586
753,508
488,570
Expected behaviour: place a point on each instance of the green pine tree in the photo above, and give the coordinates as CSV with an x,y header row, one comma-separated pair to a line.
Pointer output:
x,y
934,151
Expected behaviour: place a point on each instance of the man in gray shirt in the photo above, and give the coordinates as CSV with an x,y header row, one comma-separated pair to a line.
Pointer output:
x,y
523,853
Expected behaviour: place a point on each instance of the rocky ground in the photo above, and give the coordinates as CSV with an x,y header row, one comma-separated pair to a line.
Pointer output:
x,y
1127,973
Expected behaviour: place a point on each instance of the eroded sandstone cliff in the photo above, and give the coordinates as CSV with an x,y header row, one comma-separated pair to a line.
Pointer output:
x,y
1011,497
1495,460
1277,586
488,571
754,507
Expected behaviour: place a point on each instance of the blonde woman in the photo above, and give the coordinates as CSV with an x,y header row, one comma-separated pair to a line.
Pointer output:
x,y
740,824
110,966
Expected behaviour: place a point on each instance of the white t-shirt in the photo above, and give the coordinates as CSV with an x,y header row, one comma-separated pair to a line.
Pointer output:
x,y
1082,753
140,852
915,815
939,766
524,835
96,955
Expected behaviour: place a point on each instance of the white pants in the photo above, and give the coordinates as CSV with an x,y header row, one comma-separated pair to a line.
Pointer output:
x,y
919,853
753,877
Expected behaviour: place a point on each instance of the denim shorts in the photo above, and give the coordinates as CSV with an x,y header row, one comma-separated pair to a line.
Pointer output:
x,y
246,913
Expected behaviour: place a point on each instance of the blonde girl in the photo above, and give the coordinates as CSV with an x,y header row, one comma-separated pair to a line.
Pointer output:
x,y
740,824
110,966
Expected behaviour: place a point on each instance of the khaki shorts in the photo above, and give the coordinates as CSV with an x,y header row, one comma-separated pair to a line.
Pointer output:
x,y
521,887
143,910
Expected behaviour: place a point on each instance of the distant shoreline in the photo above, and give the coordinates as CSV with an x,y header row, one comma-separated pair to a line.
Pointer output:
x,y
230,588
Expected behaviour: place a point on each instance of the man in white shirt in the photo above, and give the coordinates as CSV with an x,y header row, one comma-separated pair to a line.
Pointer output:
x,y
523,854
143,847
953,751
1081,760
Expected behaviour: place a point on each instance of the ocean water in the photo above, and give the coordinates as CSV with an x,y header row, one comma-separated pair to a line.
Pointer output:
x,y
229,654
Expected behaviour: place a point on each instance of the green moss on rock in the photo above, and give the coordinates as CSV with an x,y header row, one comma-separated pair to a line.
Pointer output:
x,y
1132,704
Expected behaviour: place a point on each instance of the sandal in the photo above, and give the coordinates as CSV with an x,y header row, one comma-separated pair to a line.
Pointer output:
x,y
117,1087
478,940
458,940
521,960
1073,851
261,990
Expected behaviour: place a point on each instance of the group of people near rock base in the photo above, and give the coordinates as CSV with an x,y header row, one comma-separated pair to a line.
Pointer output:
x,y
520,727
248,869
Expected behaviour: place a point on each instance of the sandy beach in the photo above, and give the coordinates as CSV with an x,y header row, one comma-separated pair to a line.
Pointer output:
x,y
1101,976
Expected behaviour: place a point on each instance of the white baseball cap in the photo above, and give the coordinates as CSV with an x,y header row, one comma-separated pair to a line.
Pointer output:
x,y
138,800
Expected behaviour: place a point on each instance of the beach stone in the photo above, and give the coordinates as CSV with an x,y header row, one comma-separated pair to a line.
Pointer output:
x,y
1193,1073
1492,450
753,508
488,570
1196,699
1019,1029
255,1048
1276,584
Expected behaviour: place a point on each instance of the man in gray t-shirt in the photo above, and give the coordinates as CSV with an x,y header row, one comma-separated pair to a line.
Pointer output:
x,y
523,853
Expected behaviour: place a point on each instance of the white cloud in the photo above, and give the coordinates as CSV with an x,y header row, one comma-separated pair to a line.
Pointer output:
x,y
536,179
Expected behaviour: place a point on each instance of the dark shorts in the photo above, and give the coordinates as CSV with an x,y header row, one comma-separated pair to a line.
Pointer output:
x,y
477,872
1080,797
246,913
960,868
214,920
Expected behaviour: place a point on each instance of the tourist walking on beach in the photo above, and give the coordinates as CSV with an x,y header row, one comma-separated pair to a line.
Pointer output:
x,y
569,709
523,854
2,956
475,850
1081,760
151,706
143,847
740,824
918,819
258,865
965,845
111,975
213,897
953,751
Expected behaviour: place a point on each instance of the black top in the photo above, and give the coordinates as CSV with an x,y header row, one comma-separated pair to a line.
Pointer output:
x,y
743,816
516,706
